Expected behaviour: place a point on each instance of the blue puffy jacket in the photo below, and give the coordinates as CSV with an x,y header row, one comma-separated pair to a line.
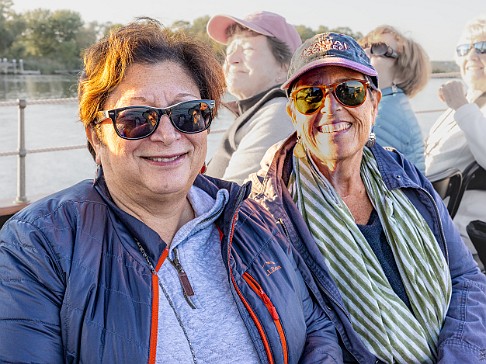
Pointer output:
x,y
74,286
397,126
463,336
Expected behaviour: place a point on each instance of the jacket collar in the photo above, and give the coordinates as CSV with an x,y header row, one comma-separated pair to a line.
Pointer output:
x,y
135,229
390,164
392,90
239,107
149,239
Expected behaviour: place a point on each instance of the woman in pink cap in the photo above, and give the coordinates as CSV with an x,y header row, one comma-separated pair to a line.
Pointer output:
x,y
258,53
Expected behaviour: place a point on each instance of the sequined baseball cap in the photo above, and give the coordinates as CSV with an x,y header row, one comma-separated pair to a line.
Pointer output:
x,y
329,49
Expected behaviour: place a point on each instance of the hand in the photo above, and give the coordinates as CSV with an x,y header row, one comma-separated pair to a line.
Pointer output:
x,y
453,93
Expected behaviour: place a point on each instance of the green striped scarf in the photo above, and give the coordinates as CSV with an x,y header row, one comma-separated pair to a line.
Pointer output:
x,y
383,321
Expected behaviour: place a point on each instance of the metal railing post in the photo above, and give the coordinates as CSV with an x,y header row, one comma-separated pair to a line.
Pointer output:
x,y
22,152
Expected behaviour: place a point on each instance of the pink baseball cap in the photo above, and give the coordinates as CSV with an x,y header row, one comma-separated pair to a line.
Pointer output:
x,y
262,22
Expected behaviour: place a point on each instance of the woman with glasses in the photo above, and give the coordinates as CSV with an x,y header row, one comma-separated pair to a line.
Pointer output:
x,y
458,137
395,276
152,262
403,70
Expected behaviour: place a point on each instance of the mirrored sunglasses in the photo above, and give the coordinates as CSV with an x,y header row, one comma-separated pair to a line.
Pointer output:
x,y
138,122
350,93
463,49
383,50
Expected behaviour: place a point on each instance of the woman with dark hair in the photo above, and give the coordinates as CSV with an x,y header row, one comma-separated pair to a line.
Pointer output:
x,y
152,262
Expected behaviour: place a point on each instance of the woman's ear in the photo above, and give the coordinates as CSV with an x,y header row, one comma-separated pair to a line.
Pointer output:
x,y
282,74
288,107
94,140
376,101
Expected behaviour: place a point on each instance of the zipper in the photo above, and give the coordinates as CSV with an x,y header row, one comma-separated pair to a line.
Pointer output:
x,y
271,309
258,325
286,232
252,314
187,289
154,321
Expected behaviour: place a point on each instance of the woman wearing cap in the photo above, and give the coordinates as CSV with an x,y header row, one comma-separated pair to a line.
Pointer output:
x,y
259,48
152,262
403,70
395,275
458,137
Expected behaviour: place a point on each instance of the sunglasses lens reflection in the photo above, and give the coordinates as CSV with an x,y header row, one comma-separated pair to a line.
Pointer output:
x,y
351,93
378,49
308,100
463,49
139,122
383,49
136,122
191,118
480,47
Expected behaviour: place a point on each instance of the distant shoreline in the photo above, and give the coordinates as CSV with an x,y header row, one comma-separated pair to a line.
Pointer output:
x,y
446,75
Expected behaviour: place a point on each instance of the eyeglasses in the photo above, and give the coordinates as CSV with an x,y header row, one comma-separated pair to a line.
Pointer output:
x,y
350,93
382,49
138,122
464,49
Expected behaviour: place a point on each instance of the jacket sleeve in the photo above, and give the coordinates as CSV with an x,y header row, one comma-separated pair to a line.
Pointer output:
x,y
463,335
321,345
472,121
31,293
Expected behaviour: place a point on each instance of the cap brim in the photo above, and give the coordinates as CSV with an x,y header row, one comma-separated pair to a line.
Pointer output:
x,y
218,24
334,61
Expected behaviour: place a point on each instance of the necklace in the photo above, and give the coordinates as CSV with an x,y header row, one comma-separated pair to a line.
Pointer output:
x,y
167,296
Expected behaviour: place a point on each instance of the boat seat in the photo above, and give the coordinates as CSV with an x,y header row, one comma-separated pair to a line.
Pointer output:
x,y
474,178
477,233
448,184
6,212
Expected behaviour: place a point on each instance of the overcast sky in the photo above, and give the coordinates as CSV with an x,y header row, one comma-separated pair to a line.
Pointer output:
x,y
436,24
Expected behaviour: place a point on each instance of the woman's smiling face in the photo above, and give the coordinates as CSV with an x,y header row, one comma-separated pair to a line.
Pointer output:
x,y
167,161
473,64
335,132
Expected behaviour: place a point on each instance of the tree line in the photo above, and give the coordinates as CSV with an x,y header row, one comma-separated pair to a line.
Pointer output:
x,y
52,41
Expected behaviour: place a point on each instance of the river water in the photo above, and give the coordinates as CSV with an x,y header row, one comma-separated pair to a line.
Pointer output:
x,y
55,125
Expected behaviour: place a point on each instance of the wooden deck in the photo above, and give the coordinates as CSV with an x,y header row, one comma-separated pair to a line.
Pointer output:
x,y
6,212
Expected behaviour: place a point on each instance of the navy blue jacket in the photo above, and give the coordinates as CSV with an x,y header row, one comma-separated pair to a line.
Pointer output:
x,y
463,336
74,286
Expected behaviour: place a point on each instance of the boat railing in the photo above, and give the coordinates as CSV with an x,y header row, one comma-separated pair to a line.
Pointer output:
x,y
21,152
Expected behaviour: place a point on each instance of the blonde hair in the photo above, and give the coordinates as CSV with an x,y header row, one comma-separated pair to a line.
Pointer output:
x,y
476,28
412,67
